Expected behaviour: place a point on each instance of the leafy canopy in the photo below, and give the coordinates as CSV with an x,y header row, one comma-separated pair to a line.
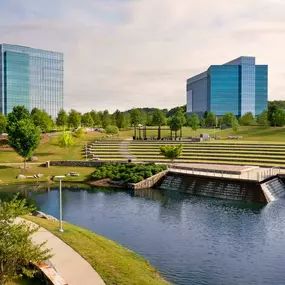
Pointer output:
x,y
62,118
247,119
171,152
65,140
112,130
3,123
42,120
24,137
17,250
193,122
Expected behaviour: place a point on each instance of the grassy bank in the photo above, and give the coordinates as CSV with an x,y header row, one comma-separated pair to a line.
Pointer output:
x,y
114,263
8,173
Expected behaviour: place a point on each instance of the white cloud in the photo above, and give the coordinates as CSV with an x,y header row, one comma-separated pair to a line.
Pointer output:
x,y
120,54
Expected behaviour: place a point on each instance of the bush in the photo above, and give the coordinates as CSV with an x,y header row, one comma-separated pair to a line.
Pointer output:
x,y
112,130
128,173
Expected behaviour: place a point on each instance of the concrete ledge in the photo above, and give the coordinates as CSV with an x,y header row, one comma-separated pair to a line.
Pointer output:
x,y
48,274
150,182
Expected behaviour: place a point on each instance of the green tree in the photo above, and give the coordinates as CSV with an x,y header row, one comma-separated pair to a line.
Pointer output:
x,y
3,123
123,120
247,119
275,114
42,120
19,113
87,120
278,118
65,140
158,118
149,119
262,118
106,119
96,118
137,117
112,130
62,119
171,152
24,137
193,122
74,118
210,119
17,249
228,119
203,123
235,125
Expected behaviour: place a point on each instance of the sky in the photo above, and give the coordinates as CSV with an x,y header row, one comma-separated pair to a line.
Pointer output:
x,y
121,54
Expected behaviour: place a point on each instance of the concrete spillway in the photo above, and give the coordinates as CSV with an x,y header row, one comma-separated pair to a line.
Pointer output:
x,y
273,189
216,187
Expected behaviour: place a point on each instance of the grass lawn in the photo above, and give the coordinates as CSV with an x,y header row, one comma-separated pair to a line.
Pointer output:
x,y
8,173
114,263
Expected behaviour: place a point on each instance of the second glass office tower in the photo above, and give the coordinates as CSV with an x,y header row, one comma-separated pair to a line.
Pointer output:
x,y
238,86
32,78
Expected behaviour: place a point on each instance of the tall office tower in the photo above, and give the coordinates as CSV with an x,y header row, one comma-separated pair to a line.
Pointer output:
x,y
32,78
239,86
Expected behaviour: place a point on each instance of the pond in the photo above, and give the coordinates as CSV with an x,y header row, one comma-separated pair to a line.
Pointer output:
x,y
191,240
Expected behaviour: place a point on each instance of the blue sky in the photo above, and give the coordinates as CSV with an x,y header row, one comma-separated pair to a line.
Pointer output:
x,y
129,53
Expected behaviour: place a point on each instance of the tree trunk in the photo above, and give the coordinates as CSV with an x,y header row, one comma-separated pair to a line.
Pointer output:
x,y
25,163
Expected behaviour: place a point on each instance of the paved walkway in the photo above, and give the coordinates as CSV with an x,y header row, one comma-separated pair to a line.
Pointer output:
x,y
71,266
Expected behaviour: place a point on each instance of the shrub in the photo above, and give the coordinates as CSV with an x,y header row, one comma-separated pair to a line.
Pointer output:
x,y
128,173
112,130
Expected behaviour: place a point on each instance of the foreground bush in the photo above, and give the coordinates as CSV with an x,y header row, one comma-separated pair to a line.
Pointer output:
x,y
16,247
128,173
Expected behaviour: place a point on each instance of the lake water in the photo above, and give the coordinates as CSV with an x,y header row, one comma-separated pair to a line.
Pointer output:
x,y
191,240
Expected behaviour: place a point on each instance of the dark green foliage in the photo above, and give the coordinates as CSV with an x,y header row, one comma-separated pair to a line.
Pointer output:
x,y
138,117
87,120
158,118
19,113
210,119
62,118
247,119
193,122
74,118
42,120
17,249
106,119
3,123
128,173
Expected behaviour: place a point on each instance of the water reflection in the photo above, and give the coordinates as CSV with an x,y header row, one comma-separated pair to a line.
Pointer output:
x,y
191,240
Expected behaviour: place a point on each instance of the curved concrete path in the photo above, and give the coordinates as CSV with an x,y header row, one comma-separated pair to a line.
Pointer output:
x,y
71,266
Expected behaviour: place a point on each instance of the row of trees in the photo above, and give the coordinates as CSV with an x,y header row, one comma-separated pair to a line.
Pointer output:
x,y
122,120
175,118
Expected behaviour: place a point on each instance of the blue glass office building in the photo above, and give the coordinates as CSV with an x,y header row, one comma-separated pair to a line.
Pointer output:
x,y
32,78
239,86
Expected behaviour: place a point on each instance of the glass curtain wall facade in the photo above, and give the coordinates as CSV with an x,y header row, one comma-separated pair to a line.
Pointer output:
x,y
30,77
238,86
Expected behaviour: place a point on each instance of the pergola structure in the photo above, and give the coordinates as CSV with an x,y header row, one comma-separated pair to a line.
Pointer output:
x,y
140,133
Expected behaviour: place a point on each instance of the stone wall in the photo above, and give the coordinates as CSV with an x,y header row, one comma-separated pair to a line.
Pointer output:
x,y
215,187
79,163
153,181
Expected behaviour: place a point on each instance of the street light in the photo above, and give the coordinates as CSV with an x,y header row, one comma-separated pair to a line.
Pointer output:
x,y
60,203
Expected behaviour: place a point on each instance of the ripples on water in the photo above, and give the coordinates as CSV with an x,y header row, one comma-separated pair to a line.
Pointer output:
x,y
191,240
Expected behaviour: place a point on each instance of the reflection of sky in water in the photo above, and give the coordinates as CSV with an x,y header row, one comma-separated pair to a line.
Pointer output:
x,y
191,240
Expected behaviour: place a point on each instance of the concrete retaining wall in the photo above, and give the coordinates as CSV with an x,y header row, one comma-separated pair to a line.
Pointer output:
x,y
80,163
214,187
153,181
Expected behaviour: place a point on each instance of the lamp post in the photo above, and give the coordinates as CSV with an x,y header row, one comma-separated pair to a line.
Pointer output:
x,y
60,203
